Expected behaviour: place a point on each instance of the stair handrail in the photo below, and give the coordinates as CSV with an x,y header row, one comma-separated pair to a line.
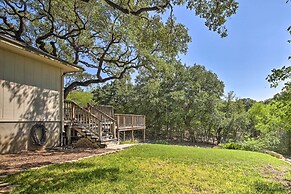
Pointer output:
x,y
90,107
84,112
106,117
83,109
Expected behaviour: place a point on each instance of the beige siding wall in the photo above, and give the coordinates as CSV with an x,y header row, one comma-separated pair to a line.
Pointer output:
x,y
15,137
30,91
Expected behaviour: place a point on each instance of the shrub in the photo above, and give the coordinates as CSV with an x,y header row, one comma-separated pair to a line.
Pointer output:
x,y
161,142
252,144
231,145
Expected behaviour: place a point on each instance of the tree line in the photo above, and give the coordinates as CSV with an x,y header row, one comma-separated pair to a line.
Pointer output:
x,y
187,104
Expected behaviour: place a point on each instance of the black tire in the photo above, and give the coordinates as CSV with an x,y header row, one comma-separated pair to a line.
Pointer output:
x,y
36,140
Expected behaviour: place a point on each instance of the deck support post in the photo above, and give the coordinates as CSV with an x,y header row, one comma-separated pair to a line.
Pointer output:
x,y
113,130
100,131
118,135
132,135
117,128
144,135
123,135
69,135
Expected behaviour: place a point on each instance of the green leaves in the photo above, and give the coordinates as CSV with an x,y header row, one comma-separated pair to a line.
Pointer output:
x,y
214,12
108,38
277,75
282,74
81,97
175,98
273,120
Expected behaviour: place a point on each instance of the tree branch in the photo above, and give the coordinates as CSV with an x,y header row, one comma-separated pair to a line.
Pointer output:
x,y
21,16
102,80
139,11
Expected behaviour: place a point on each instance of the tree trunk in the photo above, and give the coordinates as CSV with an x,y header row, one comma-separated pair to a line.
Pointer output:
x,y
218,135
289,143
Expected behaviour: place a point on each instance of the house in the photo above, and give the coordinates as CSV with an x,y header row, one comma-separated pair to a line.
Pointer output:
x,y
33,113
31,97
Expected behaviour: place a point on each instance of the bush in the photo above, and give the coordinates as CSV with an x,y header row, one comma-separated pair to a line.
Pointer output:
x,y
161,142
267,142
231,145
249,145
252,144
270,141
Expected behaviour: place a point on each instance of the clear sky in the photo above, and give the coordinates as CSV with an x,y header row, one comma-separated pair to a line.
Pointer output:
x,y
256,43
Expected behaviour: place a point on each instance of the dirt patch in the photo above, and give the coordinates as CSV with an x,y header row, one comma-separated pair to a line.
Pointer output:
x,y
276,175
12,163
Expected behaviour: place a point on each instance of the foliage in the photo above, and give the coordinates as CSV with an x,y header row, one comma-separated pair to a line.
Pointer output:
x,y
161,169
277,75
177,101
231,145
185,103
252,144
81,97
119,94
267,142
235,121
283,73
273,120
164,142
109,38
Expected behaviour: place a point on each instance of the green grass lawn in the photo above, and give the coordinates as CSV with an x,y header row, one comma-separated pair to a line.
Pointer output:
x,y
161,169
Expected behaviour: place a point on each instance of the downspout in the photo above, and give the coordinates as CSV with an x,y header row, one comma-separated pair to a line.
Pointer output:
x,y
62,109
67,132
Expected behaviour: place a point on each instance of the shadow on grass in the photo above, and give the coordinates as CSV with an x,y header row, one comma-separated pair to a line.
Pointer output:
x,y
69,176
269,187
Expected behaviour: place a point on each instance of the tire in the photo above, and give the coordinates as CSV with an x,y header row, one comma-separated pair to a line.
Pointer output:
x,y
36,140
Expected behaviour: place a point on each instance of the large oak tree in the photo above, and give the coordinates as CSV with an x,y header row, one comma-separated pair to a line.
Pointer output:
x,y
108,38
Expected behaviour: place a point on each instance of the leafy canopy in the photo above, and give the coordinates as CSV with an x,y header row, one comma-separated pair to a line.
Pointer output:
x,y
282,74
108,38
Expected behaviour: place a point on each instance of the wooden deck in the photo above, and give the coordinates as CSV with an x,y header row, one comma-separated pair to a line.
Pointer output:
x,y
127,122
98,126
130,122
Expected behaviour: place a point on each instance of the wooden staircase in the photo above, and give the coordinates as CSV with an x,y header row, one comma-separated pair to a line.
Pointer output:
x,y
88,123
98,124
108,123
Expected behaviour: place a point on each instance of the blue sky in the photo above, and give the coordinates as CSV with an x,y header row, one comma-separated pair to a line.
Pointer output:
x,y
256,43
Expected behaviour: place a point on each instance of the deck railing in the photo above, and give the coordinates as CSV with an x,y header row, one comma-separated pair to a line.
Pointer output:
x,y
130,122
108,110
108,122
